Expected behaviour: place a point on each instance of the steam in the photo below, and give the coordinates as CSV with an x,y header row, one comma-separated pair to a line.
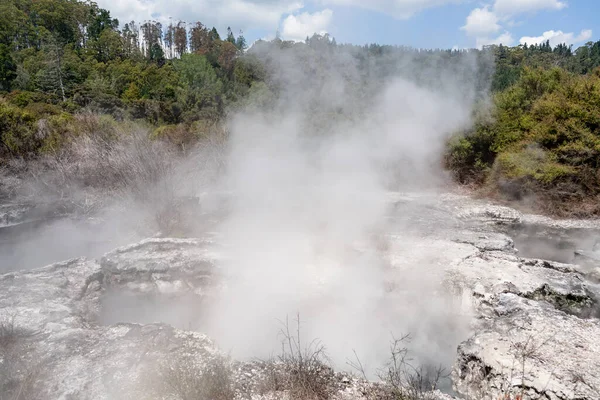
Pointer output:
x,y
308,205
308,226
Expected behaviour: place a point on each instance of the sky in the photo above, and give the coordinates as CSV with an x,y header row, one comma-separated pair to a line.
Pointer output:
x,y
417,23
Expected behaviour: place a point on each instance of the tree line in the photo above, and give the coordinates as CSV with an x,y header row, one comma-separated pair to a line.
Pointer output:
x,y
59,58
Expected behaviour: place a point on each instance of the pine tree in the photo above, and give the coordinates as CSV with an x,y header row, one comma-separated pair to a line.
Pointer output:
x,y
53,76
230,36
214,34
240,42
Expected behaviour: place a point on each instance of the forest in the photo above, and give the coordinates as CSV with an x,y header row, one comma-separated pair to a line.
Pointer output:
x,y
536,137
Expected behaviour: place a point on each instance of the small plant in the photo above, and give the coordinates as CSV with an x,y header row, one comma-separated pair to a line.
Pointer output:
x,y
523,352
406,381
301,370
402,380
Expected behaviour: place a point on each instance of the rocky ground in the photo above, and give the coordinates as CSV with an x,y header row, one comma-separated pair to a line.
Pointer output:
x,y
535,327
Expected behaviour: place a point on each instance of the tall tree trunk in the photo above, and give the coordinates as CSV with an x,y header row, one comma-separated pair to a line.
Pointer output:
x,y
60,78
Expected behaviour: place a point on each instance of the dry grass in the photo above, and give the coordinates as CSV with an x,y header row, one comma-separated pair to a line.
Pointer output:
x,y
185,378
99,168
301,371
405,380
401,379
17,378
128,160
104,164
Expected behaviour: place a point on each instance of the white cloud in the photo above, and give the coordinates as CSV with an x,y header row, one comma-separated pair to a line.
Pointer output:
x,y
558,37
400,9
298,27
513,7
481,22
505,39
239,14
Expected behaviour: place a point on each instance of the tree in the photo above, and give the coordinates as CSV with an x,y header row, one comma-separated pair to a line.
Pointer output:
x,y
131,39
226,54
200,39
214,35
180,39
240,43
100,20
8,68
108,46
230,36
152,31
169,39
60,20
156,54
53,76
200,89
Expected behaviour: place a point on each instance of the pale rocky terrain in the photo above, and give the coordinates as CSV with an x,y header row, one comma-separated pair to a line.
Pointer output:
x,y
535,330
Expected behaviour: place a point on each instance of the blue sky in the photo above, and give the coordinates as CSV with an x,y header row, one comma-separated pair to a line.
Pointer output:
x,y
417,23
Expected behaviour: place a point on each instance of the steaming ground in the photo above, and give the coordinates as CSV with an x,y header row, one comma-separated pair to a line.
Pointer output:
x,y
306,214
309,228
354,296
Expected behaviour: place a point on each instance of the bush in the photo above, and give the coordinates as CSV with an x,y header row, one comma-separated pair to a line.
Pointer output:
x,y
543,140
22,98
301,370
532,163
17,131
180,135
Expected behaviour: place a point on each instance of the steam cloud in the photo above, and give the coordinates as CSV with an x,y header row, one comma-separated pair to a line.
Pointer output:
x,y
307,204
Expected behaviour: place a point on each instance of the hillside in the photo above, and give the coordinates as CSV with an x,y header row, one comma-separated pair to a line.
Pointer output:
x,y
68,67
539,140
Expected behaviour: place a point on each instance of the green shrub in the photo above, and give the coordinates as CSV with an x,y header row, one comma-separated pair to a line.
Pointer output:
x,y
22,98
57,131
544,134
533,163
17,131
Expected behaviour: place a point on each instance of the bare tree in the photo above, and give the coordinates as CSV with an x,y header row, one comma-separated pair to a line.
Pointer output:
x,y
169,39
54,74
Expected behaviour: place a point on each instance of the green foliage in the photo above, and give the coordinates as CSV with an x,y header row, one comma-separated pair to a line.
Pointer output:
x,y
101,21
544,134
199,88
181,135
107,46
17,131
240,42
56,132
230,36
8,68
258,97
62,58
531,163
